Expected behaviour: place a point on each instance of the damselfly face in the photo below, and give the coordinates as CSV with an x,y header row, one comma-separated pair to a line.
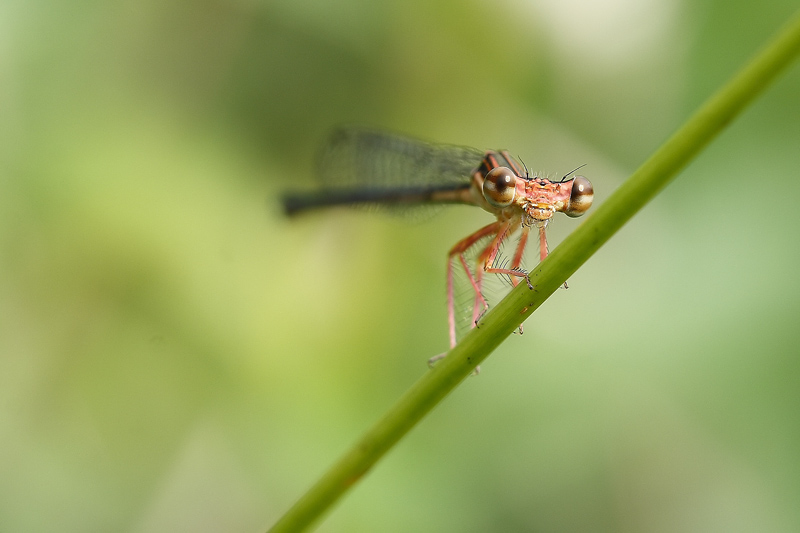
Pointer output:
x,y
509,194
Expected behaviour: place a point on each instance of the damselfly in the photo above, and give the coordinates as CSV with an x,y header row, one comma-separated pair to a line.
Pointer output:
x,y
360,166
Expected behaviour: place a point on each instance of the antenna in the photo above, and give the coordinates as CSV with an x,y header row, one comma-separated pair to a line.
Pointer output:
x,y
570,172
527,174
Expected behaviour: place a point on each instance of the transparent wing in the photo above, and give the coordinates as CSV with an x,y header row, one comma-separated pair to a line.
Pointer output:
x,y
357,157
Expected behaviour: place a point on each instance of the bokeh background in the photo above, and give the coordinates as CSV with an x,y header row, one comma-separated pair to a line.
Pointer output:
x,y
175,355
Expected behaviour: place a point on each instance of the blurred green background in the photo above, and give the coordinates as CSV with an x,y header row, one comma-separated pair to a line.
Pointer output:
x,y
176,356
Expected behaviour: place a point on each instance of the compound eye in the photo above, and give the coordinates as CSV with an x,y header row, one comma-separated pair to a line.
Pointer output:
x,y
500,187
580,200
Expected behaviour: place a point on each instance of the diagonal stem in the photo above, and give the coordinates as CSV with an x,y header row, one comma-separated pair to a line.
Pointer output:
x,y
576,249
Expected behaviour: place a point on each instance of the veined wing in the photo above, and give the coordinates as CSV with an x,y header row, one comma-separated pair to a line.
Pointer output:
x,y
356,157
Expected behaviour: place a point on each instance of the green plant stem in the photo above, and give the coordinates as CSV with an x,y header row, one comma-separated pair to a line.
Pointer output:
x,y
606,220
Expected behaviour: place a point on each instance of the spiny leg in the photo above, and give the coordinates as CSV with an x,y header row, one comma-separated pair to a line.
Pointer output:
x,y
490,253
543,250
485,258
458,250
479,304
517,261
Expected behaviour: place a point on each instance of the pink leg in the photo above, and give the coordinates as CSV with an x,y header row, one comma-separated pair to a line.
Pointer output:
x,y
543,251
517,261
459,249
489,255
